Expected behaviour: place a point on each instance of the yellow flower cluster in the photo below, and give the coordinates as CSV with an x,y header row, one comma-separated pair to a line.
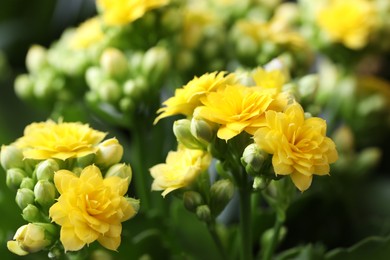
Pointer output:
x,y
88,33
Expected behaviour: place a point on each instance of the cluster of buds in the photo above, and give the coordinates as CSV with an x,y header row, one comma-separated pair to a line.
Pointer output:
x,y
33,179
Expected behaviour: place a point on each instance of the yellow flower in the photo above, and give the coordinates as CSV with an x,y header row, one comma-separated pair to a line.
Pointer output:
x,y
87,34
349,22
90,208
186,99
121,12
236,108
299,146
269,79
180,170
48,139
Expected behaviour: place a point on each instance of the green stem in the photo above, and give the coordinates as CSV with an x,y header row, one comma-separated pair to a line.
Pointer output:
x,y
245,220
269,251
217,240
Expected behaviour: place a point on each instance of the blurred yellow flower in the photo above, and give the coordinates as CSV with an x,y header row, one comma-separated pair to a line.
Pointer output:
x,y
62,140
269,79
349,22
187,98
121,12
299,146
90,208
180,170
87,34
236,108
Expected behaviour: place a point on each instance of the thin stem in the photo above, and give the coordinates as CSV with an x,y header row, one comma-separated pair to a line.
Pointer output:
x,y
217,240
269,251
245,220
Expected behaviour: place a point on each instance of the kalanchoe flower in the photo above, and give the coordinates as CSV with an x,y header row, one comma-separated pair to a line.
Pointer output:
x,y
90,208
180,170
61,140
299,146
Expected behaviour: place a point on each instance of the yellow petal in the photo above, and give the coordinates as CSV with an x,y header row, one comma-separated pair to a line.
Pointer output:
x,y
302,182
69,239
118,185
65,180
15,248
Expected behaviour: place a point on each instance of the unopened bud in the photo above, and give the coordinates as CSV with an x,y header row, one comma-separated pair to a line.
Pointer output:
x,y
127,105
93,76
32,214
182,131
121,170
260,182
11,157
134,203
135,88
203,213
86,160
14,178
109,91
24,86
109,152
45,193
307,87
45,169
203,130
155,63
368,159
27,183
24,197
114,62
192,200
253,159
36,58
344,139
221,192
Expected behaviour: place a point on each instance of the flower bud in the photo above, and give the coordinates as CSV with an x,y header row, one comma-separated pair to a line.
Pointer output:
x,y
203,213
192,200
344,139
32,214
32,237
11,157
253,159
114,62
45,169
260,182
36,58
24,86
134,203
45,193
93,76
202,130
121,170
307,87
86,160
15,177
109,152
24,197
181,129
155,63
368,158
221,192
135,88
127,105
27,183
109,91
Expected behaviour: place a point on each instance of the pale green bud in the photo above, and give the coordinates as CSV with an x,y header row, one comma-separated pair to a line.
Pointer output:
x,y
127,104
121,170
307,86
45,169
45,193
344,139
86,160
260,182
101,254
368,159
203,213
253,159
36,58
93,76
15,177
203,130
109,91
192,200
135,88
155,63
27,183
246,47
24,86
134,203
109,152
114,62
221,192
11,157
182,131
32,214
24,197
32,238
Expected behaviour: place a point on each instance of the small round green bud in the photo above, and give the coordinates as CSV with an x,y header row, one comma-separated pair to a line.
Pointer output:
x,y
246,47
27,183
307,86
135,88
86,160
253,159
127,104
11,157
45,169
32,214
121,170
203,130
182,131
14,178
260,182
221,192
344,139
109,152
109,91
368,158
192,200
36,58
24,197
134,203
45,193
24,86
114,62
93,76
155,63
203,213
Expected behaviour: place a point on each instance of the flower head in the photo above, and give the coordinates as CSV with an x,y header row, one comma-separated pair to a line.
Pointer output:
x,y
90,208
236,108
299,146
349,22
180,170
121,12
186,99
62,140
88,33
